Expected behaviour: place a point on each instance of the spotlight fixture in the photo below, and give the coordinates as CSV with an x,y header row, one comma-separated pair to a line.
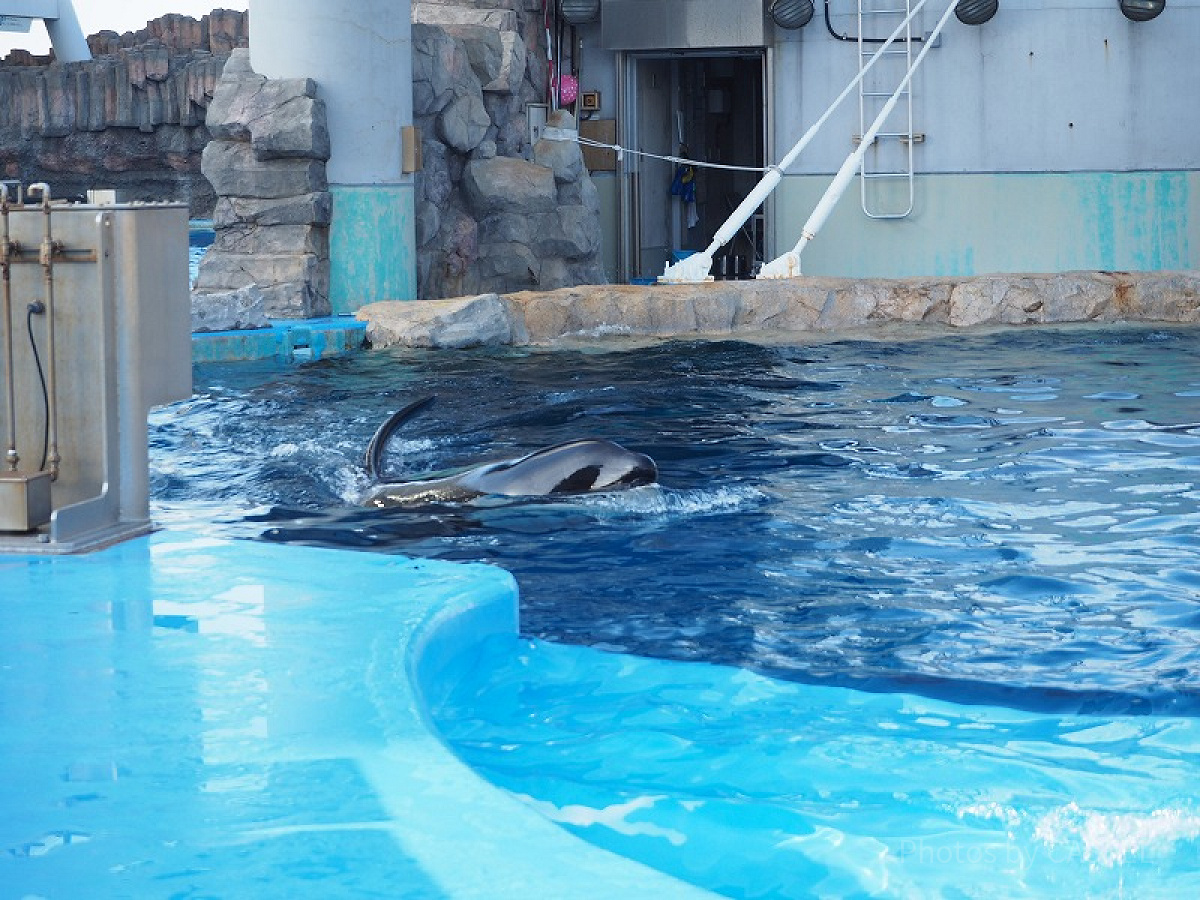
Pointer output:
x,y
1142,10
975,12
791,13
579,11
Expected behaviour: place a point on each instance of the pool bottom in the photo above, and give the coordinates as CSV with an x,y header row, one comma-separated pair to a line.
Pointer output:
x,y
755,787
181,716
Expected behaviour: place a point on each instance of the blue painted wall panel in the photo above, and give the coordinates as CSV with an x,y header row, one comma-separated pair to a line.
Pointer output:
x,y
975,224
372,245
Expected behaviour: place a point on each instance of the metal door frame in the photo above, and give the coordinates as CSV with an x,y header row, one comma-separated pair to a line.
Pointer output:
x,y
629,193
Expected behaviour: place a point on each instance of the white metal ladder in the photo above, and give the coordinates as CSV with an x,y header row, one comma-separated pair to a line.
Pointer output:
x,y
695,267
886,186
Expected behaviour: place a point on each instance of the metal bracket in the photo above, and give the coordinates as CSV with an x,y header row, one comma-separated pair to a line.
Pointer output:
x,y
58,253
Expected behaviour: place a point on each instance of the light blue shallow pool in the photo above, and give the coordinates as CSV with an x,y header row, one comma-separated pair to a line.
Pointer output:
x,y
756,787
188,717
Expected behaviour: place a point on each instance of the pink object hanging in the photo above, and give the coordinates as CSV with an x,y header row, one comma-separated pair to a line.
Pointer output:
x,y
568,90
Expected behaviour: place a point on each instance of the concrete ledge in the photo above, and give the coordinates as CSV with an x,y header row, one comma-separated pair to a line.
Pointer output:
x,y
808,304
299,340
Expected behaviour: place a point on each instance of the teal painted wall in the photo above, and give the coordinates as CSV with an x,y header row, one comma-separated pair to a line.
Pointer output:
x,y
372,245
976,224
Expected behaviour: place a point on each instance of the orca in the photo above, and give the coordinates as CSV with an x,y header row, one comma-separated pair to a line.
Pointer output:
x,y
573,467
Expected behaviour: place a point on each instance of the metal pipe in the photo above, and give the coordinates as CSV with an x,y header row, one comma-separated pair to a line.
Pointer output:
x,y
10,456
46,257
788,265
695,267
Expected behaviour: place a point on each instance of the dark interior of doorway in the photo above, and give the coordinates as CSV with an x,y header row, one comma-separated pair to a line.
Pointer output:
x,y
720,97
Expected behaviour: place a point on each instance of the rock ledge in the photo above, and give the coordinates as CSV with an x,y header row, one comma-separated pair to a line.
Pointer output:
x,y
807,304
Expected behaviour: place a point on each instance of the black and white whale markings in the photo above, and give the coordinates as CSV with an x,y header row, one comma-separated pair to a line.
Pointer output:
x,y
574,467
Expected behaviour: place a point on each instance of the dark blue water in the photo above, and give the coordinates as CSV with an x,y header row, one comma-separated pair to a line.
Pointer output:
x,y
1005,518
200,238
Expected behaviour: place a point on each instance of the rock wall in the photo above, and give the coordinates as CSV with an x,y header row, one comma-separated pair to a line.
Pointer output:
x,y
493,212
219,32
266,161
775,309
131,119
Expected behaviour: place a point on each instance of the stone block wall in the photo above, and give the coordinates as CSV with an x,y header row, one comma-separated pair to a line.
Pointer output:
x,y
266,162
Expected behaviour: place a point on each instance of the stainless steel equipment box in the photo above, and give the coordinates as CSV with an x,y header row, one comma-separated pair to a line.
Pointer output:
x,y
24,501
122,345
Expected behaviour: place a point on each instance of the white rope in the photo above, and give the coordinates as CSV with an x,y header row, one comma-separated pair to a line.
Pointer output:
x,y
678,160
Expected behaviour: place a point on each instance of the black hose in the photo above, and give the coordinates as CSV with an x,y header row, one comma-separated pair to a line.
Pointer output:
x,y
847,37
37,308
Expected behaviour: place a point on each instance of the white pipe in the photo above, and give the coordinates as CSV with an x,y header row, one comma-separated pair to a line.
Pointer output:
x,y
66,36
788,265
695,267
11,458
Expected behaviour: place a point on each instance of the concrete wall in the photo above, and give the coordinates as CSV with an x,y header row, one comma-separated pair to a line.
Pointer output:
x,y
1036,89
1056,137
1008,222
360,55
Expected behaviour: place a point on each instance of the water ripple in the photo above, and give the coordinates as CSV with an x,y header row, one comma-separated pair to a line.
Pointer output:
x,y
979,516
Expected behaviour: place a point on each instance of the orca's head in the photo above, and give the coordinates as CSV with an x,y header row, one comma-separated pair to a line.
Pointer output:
x,y
625,470
640,470
608,467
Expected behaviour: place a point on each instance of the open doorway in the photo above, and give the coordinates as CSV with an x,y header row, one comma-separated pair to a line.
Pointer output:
x,y
707,106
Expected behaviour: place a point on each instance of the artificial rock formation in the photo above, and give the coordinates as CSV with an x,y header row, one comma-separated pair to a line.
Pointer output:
x,y
493,212
237,310
266,162
219,33
774,308
132,119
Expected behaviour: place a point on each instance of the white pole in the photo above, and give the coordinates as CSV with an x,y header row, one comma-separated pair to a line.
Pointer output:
x,y
66,36
695,268
788,265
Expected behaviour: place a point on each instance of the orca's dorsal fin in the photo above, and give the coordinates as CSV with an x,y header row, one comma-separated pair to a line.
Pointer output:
x,y
378,443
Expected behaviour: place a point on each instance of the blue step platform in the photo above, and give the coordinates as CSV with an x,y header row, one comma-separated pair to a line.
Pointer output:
x,y
298,340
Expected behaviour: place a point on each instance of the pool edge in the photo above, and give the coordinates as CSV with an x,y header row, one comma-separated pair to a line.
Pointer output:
x,y
347,649
554,862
